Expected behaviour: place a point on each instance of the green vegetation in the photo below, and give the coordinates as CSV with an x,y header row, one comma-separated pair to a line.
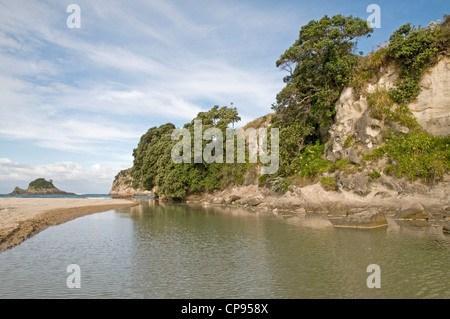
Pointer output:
x,y
343,165
320,64
262,180
311,161
41,183
153,165
329,184
416,154
383,109
374,175
348,142
415,49
279,184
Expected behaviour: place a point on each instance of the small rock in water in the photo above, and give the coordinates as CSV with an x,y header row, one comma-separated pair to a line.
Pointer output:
x,y
366,219
412,212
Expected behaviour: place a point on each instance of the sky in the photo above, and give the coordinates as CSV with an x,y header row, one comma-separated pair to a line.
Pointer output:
x,y
74,102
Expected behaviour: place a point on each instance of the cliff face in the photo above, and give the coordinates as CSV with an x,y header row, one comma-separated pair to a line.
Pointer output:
x,y
40,187
122,185
356,133
355,125
432,106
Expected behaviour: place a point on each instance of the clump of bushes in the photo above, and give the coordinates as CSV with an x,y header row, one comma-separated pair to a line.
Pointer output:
x,y
311,161
415,155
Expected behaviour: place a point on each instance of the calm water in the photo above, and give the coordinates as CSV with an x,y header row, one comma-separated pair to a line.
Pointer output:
x,y
179,251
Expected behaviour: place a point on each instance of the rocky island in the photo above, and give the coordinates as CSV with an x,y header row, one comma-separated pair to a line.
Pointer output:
x,y
40,186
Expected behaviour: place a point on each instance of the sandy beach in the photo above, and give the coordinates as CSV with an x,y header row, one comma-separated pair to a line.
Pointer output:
x,y
21,218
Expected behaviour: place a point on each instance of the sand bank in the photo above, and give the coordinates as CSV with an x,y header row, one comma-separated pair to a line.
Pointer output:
x,y
21,218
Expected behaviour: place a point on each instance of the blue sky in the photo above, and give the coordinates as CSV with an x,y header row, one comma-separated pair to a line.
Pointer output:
x,y
74,102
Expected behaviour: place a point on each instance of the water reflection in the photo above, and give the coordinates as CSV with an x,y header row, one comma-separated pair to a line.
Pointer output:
x,y
164,250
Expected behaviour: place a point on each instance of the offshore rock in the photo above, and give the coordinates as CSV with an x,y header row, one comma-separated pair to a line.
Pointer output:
x,y
40,187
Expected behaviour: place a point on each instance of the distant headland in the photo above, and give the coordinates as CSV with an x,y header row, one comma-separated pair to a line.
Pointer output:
x,y
39,186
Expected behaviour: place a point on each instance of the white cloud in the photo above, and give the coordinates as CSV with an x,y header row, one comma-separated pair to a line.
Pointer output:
x,y
72,176
131,66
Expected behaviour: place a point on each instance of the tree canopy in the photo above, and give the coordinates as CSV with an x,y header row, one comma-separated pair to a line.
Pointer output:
x,y
320,64
153,165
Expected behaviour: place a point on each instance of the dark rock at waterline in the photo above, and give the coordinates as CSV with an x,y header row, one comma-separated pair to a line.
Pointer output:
x,y
253,202
412,212
366,220
249,201
232,198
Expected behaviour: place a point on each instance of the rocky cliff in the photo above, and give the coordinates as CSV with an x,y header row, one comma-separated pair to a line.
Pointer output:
x,y
362,132
432,106
40,187
357,132
122,185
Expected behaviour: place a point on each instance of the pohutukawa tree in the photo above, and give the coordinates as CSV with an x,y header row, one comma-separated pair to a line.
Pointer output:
x,y
319,64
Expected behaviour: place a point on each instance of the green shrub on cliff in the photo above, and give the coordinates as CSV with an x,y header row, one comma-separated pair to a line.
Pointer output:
x,y
415,155
329,184
311,161
414,49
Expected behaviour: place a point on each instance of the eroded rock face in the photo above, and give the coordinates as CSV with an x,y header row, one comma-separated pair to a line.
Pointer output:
x,y
432,106
355,130
358,183
122,185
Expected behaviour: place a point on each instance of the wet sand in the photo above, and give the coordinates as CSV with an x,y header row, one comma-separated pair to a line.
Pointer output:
x,y
21,218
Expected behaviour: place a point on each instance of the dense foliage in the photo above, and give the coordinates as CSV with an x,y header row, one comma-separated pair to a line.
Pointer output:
x,y
154,167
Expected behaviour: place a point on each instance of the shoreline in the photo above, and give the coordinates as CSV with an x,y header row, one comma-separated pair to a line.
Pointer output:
x,y
354,211
22,218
